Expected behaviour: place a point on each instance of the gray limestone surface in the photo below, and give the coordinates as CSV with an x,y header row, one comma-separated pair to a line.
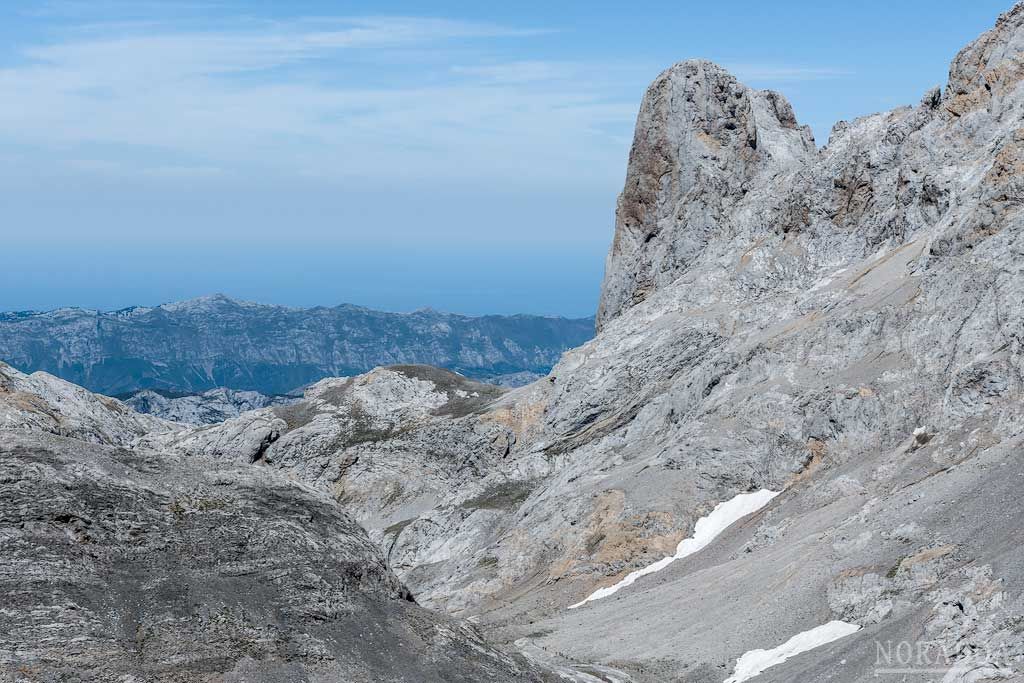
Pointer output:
x,y
208,407
126,565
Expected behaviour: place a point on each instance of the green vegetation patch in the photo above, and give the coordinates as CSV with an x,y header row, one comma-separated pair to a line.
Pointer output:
x,y
397,528
504,496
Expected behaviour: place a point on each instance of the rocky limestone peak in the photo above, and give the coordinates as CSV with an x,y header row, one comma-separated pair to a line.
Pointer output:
x,y
701,139
989,67
716,163
205,302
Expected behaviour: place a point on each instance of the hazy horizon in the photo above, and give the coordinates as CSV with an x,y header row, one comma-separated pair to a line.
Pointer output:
x,y
465,157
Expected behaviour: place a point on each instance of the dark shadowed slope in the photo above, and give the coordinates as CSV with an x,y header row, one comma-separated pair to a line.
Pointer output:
x,y
121,563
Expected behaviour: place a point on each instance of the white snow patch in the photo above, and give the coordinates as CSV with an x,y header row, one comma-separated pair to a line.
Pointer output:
x,y
756,661
705,531
919,431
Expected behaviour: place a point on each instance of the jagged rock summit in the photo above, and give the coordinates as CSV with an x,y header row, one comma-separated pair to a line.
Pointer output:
x,y
715,163
702,142
835,333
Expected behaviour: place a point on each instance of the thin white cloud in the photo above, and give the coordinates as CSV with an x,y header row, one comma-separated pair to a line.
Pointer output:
x,y
183,172
781,73
271,45
220,100
519,72
84,9
98,166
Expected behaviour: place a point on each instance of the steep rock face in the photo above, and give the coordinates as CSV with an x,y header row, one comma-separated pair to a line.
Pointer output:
x,y
702,141
987,70
851,333
801,214
214,341
119,565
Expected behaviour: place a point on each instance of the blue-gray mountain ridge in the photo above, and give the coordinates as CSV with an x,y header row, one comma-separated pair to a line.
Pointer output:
x,y
215,341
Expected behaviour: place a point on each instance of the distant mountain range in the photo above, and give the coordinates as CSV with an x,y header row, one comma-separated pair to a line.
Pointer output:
x,y
215,341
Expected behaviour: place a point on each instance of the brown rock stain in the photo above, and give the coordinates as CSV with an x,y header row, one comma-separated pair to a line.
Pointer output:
x,y
748,254
925,556
521,418
611,537
818,451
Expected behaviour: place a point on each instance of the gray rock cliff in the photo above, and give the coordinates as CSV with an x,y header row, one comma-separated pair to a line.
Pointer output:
x,y
702,142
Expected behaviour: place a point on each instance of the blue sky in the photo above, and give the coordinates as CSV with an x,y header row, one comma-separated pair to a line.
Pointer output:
x,y
462,155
